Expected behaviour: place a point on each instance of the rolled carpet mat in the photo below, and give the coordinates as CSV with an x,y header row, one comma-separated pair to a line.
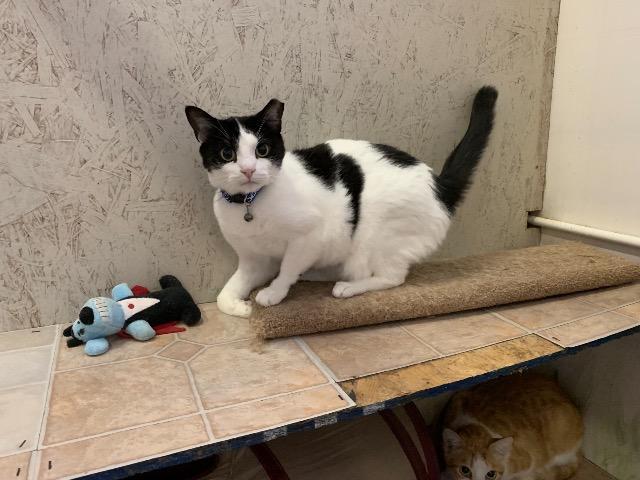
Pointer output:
x,y
447,286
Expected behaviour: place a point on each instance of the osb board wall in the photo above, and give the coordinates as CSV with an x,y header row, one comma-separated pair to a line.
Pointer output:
x,y
99,176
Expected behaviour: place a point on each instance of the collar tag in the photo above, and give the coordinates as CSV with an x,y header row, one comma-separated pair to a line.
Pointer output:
x,y
245,199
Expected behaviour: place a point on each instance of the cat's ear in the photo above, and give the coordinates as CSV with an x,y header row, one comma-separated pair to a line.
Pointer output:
x,y
201,122
451,441
271,114
501,449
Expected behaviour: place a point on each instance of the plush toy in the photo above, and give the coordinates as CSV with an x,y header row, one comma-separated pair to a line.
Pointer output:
x,y
102,316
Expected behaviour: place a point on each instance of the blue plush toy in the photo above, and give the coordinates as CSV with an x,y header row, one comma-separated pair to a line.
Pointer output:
x,y
102,316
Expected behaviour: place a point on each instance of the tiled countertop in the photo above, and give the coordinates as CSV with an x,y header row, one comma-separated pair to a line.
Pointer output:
x,y
180,396
81,414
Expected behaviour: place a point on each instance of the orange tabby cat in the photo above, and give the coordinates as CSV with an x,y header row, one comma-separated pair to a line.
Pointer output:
x,y
521,427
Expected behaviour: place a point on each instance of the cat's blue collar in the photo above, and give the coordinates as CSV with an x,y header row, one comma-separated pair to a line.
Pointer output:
x,y
242,198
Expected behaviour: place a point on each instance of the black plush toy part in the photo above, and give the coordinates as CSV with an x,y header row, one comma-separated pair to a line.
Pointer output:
x,y
102,316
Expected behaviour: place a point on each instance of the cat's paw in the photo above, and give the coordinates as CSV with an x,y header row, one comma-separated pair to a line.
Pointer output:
x,y
344,290
270,296
234,306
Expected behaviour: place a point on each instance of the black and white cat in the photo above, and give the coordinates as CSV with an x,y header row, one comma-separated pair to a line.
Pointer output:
x,y
348,211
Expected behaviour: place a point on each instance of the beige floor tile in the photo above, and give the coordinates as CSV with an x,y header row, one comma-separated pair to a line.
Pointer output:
x,y
632,310
613,297
121,349
99,399
182,351
15,467
21,410
362,351
587,329
547,313
237,372
216,327
80,457
25,366
456,333
270,412
31,337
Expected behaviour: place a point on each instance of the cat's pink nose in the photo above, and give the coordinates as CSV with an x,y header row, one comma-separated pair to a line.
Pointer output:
x,y
248,172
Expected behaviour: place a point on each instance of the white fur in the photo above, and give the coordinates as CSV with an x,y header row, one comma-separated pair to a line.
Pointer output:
x,y
300,225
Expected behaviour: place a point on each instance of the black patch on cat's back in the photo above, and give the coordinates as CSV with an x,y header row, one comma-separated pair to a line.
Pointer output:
x,y
396,157
330,168
351,176
320,162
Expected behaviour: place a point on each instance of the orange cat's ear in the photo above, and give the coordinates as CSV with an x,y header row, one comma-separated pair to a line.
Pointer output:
x,y
501,449
451,441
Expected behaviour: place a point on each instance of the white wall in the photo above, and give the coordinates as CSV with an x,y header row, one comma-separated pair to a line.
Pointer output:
x,y
592,179
593,163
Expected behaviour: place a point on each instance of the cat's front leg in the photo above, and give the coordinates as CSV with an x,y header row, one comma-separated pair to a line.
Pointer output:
x,y
299,256
251,273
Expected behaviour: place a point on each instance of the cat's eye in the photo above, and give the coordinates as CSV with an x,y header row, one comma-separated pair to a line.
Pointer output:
x,y
465,471
262,150
227,154
491,474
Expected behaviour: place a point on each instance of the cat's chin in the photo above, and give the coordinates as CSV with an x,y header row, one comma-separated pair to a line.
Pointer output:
x,y
246,187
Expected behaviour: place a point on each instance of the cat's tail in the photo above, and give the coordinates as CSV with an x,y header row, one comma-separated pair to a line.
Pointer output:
x,y
455,178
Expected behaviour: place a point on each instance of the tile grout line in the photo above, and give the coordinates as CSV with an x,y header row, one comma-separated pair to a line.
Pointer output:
x,y
608,308
45,414
511,322
199,404
625,304
326,371
538,331
197,354
599,312
598,337
44,448
541,333
315,359
151,355
25,349
498,342
175,339
34,465
270,397
29,384
423,342
114,362
562,324
226,342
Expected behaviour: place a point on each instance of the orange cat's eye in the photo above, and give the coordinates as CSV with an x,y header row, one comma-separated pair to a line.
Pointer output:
x,y
465,471
491,474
